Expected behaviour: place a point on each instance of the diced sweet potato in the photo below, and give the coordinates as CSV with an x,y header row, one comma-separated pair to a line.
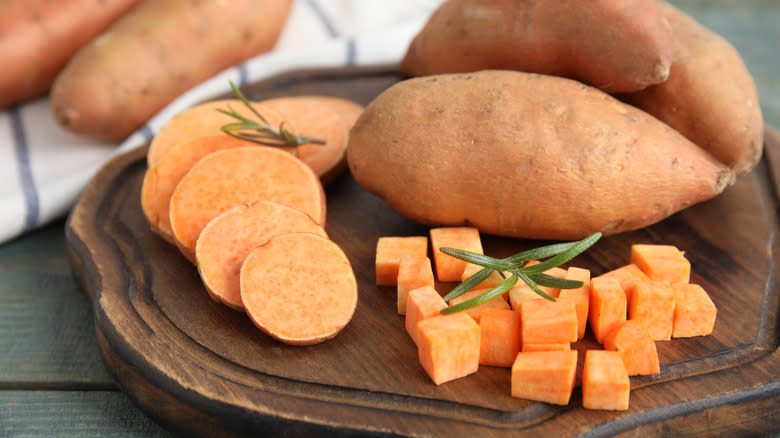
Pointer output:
x,y
413,273
548,322
694,312
527,347
389,252
605,382
520,293
493,280
500,340
653,303
579,296
545,376
449,268
636,346
448,347
662,262
607,309
628,276
422,303
476,312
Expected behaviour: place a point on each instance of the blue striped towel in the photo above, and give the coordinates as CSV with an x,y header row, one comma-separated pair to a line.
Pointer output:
x,y
46,167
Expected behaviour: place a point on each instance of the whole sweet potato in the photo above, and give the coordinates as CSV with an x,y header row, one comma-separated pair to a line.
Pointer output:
x,y
615,45
38,37
710,96
154,53
525,155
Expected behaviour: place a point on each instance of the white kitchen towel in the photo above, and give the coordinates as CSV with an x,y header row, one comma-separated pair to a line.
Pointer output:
x,y
45,168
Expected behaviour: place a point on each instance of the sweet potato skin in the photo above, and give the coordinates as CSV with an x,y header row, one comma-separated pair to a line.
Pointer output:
x,y
710,96
38,37
525,155
153,54
622,45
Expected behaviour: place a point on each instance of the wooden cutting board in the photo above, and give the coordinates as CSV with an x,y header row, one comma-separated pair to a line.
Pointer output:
x,y
202,369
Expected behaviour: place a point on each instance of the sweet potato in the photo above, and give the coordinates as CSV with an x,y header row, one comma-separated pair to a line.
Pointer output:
x,y
203,119
389,252
449,268
226,240
546,376
299,288
224,179
422,303
448,346
38,37
475,312
500,338
694,311
607,308
548,322
528,347
710,96
661,262
161,180
605,381
627,275
622,45
152,54
636,346
413,273
652,303
580,297
533,156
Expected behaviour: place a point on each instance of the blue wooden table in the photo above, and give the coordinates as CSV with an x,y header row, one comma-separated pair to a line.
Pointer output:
x,y
52,380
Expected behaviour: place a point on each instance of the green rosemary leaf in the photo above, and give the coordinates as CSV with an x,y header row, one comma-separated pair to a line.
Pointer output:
x,y
564,256
556,282
482,298
469,283
478,259
540,253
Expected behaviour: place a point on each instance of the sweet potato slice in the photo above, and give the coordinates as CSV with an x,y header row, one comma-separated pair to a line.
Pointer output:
x,y
197,121
224,179
227,239
161,180
299,288
316,118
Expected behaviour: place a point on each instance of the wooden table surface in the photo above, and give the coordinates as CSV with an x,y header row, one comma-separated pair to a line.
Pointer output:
x,y
52,380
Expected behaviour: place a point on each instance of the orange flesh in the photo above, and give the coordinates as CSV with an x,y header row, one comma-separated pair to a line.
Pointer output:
x,y
422,303
449,268
299,288
579,296
694,312
605,382
389,252
500,337
413,273
636,346
227,239
653,303
548,322
224,179
448,347
545,376
607,308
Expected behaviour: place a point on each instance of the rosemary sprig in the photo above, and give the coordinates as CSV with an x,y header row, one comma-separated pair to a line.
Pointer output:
x,y
261,132
534,276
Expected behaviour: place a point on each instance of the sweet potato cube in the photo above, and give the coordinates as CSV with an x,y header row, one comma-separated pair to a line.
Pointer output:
x,y
544,376
628,276
500,337
636,346
413,273
607,308
520,293
662,262
579,296
694,312
493,280
448,268
422,303
527,347
448,347
476,312
653,303
548,322
389,252
605,382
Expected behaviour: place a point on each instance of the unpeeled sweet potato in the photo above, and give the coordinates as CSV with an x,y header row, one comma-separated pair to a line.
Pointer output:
x,y
710,96
525,155
38,37
154,53
615,45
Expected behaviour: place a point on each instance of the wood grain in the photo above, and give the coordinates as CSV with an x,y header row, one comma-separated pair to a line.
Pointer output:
x,y
196,365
